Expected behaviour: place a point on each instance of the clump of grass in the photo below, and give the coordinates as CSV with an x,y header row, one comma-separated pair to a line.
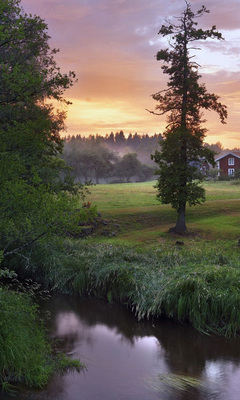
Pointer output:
x,y
25,353
205,297
199,285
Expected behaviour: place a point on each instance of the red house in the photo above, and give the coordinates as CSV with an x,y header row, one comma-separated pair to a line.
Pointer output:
x,y
228,162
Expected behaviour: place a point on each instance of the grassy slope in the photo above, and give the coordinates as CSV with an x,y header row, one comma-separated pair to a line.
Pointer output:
x,y
144,220
144,268
197,282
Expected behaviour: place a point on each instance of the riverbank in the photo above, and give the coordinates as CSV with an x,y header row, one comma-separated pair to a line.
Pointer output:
x,y
197,283
131,259
127,359
26,355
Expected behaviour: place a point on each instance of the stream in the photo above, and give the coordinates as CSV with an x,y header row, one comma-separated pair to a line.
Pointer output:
x,y
130,360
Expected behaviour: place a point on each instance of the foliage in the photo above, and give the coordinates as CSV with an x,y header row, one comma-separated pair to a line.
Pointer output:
x,y
178,181
92,159
93,162
182,149
37,193
128,166
38,197
118,142
145,173
25,355
237,174
214,173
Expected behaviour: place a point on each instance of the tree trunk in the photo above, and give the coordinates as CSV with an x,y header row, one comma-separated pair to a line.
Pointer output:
x,y
180,227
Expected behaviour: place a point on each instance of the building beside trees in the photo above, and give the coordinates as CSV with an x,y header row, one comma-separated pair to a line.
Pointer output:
x,y
228,163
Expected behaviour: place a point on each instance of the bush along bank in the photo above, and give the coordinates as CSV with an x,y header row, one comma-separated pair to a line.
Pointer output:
x,y
25,353
199,284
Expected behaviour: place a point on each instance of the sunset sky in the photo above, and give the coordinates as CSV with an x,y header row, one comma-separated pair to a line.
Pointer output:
x,y
111,45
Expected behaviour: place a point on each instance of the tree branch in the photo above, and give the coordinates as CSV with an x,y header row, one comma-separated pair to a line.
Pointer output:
x,y
30,242
153,112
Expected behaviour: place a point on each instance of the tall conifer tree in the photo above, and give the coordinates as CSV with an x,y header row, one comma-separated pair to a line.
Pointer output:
x,y
183,149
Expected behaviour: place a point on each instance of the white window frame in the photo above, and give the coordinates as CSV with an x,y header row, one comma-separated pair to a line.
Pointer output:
x,y
231,161
231,171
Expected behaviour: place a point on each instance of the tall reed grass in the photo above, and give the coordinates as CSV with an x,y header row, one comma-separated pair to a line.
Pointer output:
x,y
198,285
25,352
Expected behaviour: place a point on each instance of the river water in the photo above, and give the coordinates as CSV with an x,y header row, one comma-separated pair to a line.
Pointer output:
x,y
130,360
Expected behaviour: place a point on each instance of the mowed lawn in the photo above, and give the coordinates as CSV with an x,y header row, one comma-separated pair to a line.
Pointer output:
x,y
144,219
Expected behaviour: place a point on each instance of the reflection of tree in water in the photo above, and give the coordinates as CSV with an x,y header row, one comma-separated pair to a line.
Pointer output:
x,y
185,351
92,312
188,351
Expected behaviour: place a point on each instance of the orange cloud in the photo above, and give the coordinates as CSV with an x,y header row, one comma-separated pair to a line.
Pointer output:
x,y
111,44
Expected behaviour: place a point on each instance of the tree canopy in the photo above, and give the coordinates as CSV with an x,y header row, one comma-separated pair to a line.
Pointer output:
x,y
183,150
34,180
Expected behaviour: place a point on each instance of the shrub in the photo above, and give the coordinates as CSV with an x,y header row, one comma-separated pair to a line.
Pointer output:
x,y
25,353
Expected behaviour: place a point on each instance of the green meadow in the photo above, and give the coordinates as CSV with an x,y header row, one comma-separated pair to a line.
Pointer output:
x,y
132,258
144,220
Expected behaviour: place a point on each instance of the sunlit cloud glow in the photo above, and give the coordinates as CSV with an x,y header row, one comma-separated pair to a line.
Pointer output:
x,y
111,45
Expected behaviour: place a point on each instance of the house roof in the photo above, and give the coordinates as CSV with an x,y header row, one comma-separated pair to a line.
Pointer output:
x,y
228,153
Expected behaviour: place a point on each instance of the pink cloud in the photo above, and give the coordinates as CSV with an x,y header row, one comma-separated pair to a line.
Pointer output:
x,y
111,44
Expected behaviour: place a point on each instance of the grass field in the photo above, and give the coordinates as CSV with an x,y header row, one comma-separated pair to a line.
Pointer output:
x,y
132,258
143,220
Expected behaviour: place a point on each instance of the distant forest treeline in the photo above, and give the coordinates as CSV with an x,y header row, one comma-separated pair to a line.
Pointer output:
x,y
143,145
115,157
112,158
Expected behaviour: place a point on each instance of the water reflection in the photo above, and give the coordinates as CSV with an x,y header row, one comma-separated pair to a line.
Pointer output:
x,y
131,360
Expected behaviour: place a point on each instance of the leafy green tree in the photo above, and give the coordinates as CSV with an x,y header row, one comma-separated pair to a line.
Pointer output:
x,y
128,166
91,162
182,101
81,161
146,172
105,160
34,180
